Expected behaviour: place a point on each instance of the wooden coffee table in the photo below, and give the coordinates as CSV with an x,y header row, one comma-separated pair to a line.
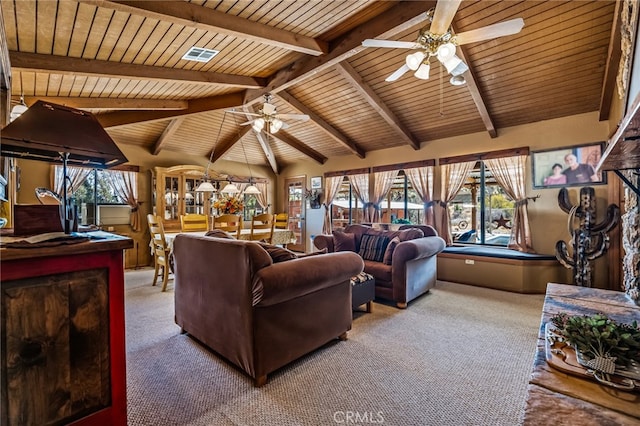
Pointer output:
x,y
363,291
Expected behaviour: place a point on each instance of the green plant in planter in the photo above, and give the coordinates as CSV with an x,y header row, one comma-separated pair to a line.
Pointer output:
x,y
600,338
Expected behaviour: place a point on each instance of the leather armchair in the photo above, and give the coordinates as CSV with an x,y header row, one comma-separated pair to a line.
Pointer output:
x,y
257,314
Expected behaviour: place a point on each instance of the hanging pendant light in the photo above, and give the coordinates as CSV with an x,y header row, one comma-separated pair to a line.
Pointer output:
x,y
19,109
230,189
252,189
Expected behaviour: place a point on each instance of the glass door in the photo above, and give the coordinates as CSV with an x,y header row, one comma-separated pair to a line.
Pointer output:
x,y
294,189
194,202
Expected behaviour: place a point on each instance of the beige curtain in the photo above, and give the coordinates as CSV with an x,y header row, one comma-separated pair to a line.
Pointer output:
x,y
360,185
332,186
509,173
382,182
126,187
421,179
262,196
76,176
452,178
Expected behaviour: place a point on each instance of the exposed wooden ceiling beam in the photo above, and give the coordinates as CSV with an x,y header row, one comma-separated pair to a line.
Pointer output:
x,y
474,90
205,18
167,134
294,143
109,103
222,146
613,64
352,76
268,152
399,18
196,106
326,127
74,66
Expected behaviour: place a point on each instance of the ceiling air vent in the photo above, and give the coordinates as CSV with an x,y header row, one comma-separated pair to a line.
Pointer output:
x,y
200,54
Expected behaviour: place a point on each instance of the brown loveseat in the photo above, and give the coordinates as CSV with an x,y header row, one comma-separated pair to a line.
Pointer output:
x,y
257,314
406,266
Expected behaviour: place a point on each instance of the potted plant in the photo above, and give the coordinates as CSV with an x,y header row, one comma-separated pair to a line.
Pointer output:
x,y
600,342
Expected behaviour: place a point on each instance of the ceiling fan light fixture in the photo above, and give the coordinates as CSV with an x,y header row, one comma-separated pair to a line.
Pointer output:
x,y
446,51
460,69
423,71
276,124
451,63
457,80
414,60
258,124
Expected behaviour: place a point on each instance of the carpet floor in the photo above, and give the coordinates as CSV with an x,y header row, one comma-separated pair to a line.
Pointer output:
x,y
460,355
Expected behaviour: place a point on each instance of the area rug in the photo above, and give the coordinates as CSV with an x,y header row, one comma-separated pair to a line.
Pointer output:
x,y
460,355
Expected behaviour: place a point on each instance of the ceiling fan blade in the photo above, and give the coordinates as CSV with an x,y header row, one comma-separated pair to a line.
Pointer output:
x,y
246,122
443,15
233,111
399,73
500,29
303,117
370,42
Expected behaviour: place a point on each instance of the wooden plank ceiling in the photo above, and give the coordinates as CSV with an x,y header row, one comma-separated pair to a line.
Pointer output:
x,y
122,61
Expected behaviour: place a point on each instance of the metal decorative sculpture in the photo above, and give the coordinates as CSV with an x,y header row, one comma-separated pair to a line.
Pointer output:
x,y
589,239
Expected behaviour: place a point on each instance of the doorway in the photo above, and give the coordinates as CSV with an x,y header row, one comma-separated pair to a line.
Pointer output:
x,y
294,189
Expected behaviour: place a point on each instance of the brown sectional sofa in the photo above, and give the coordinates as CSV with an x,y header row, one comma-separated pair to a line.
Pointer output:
x,y
260,315
408,267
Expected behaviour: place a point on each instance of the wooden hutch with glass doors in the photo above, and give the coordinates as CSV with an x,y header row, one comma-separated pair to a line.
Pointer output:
x,y
173,193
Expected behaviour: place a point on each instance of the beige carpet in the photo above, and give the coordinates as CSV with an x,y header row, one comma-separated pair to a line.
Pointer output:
x,y
460,355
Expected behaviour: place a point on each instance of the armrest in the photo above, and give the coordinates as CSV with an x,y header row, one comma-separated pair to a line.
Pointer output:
x,y
324,241
416,249
294,278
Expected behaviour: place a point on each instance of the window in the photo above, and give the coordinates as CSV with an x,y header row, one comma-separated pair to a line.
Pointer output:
x,y
94,190
346,208
482,212
402,203
251,207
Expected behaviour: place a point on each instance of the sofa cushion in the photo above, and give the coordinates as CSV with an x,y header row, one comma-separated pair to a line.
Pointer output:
x,y
372,247
278,254
343,241
388,254
380,271
313,253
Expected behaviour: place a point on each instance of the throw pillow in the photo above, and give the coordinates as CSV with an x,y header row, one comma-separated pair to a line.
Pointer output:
x,y
372,247
218,233
278,254
388,253
343,241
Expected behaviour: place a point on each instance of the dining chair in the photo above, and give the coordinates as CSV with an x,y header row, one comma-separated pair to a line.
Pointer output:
x,y
282,220
161,250
229,223
194,222
262,222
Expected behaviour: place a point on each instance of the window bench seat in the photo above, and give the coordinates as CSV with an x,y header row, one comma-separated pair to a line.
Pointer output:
x,y
500,268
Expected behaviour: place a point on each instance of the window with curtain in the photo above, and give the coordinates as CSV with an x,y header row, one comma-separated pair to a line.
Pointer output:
x,y
402,204
346,208
482,212
93,189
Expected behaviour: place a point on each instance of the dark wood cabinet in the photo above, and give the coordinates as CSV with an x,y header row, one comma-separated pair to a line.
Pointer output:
x,y
63,341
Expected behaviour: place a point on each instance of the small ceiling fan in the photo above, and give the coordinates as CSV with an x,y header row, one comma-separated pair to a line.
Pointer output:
x,y
437,40
268,118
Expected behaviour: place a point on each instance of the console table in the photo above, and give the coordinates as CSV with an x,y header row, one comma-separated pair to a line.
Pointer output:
x,y
63,337
556,397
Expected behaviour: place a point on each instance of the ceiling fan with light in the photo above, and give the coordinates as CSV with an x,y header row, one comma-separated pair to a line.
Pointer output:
x,y
268,118
437,40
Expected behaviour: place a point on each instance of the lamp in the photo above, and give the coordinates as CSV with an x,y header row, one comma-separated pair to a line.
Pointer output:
x,y
206,185
457,80
18,110
414,60
230,189
276,124
423,71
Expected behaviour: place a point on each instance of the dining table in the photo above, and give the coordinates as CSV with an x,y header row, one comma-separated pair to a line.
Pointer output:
x,y
280,236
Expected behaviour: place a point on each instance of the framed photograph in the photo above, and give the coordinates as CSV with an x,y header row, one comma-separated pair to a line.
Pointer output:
x,y
569,166
316,182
